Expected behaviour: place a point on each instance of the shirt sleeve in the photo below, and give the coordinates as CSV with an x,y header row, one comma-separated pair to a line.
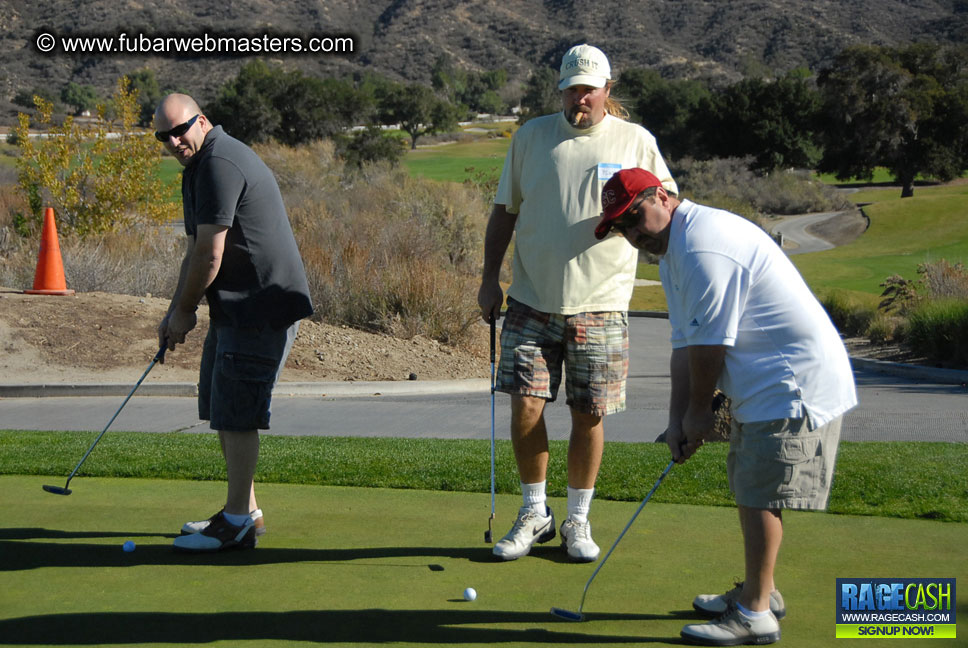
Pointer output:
x,y
508,187
218,190
715,289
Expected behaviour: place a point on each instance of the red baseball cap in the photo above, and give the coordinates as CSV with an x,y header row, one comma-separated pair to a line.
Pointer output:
x,y
619,193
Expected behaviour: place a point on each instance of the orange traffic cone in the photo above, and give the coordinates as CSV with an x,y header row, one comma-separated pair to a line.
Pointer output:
x,y
49,278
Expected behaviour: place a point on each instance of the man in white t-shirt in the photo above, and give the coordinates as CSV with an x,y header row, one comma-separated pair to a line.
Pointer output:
x,y
742,319
569,294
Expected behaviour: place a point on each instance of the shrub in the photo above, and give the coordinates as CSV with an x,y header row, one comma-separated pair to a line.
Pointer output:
x,y
899,295
98,178
850,318
136,261
943,280
383,251
728,183
369,145
884,328
939,330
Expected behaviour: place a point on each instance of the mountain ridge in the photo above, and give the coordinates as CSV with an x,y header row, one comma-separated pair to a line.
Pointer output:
x,y
403,38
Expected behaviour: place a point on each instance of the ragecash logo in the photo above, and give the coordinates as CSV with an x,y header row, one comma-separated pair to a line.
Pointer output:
x,y
908,608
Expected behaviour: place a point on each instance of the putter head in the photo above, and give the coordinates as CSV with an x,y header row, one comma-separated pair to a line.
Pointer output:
x,y
57,490
567,615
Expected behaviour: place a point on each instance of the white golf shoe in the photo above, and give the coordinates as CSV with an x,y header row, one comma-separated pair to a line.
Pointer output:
x,y
576,537
197,527
712,605
528,529
733,628
218,535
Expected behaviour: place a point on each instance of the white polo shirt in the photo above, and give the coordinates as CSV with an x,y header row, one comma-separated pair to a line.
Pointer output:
x,y
727,283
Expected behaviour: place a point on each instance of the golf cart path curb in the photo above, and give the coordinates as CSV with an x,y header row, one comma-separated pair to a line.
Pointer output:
x,y
313,389
349,389
916,372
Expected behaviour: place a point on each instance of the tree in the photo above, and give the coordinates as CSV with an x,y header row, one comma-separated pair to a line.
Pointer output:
x,y
479,92
774,121
25,98
541,95
149,94
98,178
676,112
904,109
417,109
268,103
369,145
82,98
244,106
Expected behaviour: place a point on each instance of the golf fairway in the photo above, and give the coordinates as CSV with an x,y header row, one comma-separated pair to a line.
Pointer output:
x,y
375,567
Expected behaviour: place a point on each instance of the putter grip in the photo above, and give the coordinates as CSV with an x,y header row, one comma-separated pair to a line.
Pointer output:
x,y
160,356
493,344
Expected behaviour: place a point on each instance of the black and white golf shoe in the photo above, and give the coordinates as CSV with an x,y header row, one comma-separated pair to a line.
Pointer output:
x,y
219,534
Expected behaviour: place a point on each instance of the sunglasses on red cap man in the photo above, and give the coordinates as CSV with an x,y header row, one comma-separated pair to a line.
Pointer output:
x,y
619,193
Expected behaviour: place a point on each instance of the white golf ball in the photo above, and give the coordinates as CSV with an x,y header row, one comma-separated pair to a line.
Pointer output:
x,y
470,594
128,546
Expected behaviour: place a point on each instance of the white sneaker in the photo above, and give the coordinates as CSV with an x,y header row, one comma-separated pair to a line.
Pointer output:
x,y
197,527
733,628
712,605
528,529
576,537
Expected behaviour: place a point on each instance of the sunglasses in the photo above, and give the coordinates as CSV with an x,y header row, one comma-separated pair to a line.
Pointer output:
x,y
630,218
177,131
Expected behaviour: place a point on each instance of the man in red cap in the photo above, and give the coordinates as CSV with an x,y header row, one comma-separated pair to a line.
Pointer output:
x,y
742,320
569,295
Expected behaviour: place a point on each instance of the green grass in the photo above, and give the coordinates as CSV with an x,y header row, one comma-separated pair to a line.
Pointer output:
x,y
906,480
903,233
881,176
378,567
648,298
450,162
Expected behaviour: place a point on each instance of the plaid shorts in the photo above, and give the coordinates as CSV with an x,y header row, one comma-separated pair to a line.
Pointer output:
x,y
593,346
782,463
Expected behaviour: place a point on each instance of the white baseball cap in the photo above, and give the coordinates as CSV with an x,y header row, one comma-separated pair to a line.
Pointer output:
x,y
584,65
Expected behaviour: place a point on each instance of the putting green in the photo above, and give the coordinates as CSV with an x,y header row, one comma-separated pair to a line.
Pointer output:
x,y
369,567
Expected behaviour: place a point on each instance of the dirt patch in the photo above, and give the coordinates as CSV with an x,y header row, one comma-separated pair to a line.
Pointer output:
x,y
111,338
842,229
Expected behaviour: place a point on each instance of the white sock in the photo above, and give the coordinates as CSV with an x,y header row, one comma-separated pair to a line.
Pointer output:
x,y
579,502
534,496
236,520
255,514
750,613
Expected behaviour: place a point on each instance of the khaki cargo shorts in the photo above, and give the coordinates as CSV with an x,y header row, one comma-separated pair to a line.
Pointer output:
x,y
782,463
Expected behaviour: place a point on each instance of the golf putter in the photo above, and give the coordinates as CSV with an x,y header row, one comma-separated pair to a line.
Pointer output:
x,y
487,534
57,490
577,616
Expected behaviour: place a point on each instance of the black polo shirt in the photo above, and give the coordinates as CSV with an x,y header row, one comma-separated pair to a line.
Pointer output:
x,y
261,280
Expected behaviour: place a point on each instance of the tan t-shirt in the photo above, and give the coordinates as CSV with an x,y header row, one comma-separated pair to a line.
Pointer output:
x,y
552,179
